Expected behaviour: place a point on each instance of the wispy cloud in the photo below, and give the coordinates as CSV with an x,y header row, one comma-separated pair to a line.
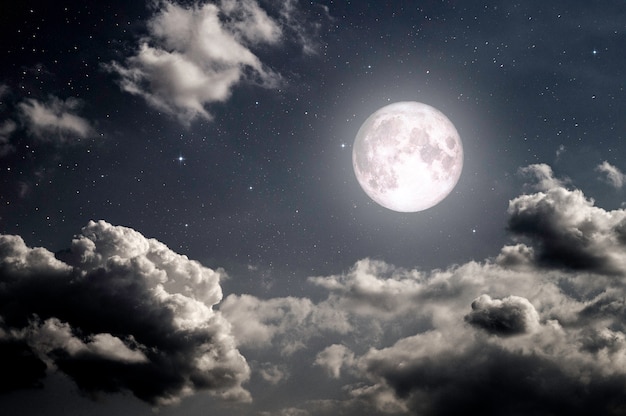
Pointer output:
x,y
614,176
544,316
55,120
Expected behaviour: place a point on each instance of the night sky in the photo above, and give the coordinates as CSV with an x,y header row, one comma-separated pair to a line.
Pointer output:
x,y
181,227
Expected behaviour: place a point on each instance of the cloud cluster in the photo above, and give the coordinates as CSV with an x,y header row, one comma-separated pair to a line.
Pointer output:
x,y
7,128
538,329
567,230
116,312
194,55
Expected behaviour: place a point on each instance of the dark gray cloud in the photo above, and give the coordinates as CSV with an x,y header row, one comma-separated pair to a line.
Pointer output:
x,y
538,329
512,315
55,120
119,312
488,380
566,229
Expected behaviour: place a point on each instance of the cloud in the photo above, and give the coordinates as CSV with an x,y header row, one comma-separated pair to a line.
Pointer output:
x,y
55,120
333,358
540,328
117,312
7,128
542,176
287,322
305,32
614,176
512,315
194,55
250,23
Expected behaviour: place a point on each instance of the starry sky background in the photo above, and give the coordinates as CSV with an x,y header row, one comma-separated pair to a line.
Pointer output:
x,y
223,131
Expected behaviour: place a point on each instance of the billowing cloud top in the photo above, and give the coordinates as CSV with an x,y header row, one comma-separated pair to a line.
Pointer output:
x,y
539,329
118,312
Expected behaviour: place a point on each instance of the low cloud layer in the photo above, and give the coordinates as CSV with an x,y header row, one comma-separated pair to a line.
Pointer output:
x,y
537,329
195,54
116,312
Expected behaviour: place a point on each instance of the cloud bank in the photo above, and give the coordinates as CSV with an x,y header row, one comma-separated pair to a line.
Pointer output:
x,y
538,329
194,55
116,312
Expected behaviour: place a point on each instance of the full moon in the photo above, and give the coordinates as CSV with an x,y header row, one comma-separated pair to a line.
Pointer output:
x,y
407,156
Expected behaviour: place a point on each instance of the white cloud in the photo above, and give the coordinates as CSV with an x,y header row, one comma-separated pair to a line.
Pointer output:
x,y
193,58
195,55
53,335
614,176
55,120
542,325
290,321
273,374
333,358
250,22
118,297
543,315
543,176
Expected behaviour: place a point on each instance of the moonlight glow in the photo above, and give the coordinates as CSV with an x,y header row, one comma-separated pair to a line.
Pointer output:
x,y
407,156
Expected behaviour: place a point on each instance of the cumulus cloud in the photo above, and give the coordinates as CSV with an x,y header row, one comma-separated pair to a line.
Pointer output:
x,y
568,230
614,176
512,315
538,329
542,177
287,322
195,55
117,312
55,120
